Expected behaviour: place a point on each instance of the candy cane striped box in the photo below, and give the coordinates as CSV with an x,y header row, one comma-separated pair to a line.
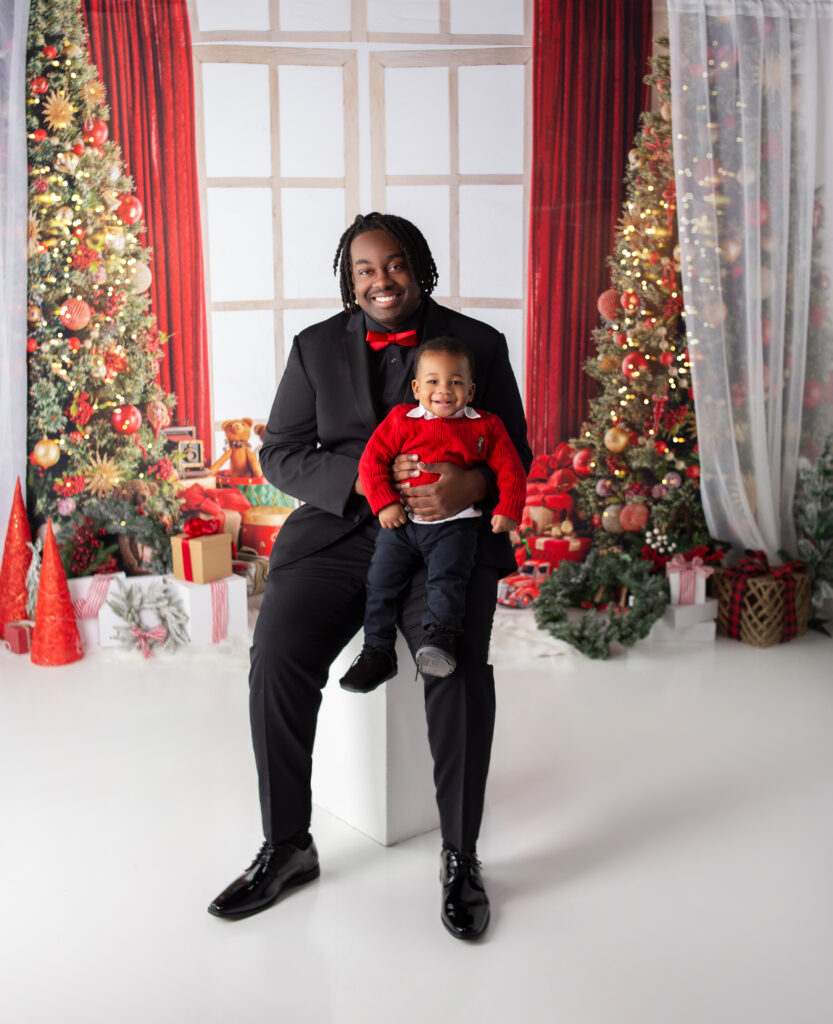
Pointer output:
x,y
214,614
88,594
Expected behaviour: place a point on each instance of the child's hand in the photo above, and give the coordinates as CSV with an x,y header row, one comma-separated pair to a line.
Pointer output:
x,y
391,516
503,524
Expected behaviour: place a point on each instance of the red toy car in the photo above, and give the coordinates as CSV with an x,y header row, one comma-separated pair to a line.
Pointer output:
x,y
521,588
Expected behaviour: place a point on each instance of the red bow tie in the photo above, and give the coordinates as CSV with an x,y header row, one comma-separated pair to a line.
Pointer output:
x,y
377,340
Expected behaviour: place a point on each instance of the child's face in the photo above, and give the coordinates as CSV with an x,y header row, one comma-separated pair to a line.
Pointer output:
x,y
443,383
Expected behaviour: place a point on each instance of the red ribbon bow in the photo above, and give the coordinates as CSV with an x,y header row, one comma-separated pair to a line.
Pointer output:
x,y
202,527
197,499
158,635
378,340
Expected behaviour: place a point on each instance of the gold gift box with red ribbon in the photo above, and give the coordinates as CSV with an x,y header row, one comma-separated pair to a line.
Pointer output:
x,y
202,553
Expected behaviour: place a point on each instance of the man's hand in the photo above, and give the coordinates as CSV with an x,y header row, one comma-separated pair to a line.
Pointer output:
x,y
503,524
391,516
357,486
456,489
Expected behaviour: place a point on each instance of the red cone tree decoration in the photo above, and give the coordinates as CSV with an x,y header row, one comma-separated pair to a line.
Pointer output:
x,y
16,559
55,638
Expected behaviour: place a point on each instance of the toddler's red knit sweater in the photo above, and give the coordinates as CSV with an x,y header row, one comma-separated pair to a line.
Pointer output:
x,y
463,441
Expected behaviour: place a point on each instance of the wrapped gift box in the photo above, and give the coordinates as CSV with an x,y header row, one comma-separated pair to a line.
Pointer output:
x,y
201,559
88,594
258,490
687,579
202,607
557,550
253,568
261,526
210,605
696,633
19,636
681,616
762,605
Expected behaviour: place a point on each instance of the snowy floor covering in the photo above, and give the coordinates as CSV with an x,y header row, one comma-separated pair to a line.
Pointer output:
x,y
658,847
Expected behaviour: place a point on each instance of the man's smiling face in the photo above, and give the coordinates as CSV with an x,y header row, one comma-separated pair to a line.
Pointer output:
x,y
385,287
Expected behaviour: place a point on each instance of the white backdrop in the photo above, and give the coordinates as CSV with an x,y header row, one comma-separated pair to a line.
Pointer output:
x,y
14,17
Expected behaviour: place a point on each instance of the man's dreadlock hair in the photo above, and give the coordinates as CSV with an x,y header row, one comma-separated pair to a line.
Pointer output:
x,y
406,235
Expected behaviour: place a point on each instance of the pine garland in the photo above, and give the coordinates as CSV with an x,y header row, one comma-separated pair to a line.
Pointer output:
x,y
158,601
578,583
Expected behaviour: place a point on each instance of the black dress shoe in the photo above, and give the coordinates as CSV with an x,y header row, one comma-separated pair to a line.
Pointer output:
x,y
277,867
437,654
374,666
465,910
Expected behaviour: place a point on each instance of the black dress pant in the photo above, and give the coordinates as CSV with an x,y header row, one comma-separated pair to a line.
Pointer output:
x,y
311,609
446,550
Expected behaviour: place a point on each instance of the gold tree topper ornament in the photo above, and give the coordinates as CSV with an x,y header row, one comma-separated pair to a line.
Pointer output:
x,y
57,111
102,476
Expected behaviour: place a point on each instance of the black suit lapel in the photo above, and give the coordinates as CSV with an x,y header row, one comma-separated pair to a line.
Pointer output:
x,y
355,352
436,321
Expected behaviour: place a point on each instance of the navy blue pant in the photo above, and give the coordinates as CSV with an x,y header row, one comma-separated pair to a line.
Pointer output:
x,y
447,551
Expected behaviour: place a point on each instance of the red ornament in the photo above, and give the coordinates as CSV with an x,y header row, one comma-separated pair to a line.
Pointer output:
x,y
50,52
126,419
634,517
79,232
692,472
31,345
653,256
608,304
634,364
129,209
78,149
95,131
39,86
757,213
75,314
582,462
74,343
39,135
813,393
666,358
660,447
596,520
629,300
622,339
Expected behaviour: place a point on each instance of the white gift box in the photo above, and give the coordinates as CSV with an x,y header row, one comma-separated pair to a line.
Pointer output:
x,y
679,616
696,633
196,602
79,592
699,588
196,598
109,622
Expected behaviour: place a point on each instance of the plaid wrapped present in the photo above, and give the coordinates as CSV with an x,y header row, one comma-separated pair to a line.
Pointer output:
x,y
762,604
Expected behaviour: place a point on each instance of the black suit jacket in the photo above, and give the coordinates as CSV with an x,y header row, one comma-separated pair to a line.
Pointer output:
x,y
323,416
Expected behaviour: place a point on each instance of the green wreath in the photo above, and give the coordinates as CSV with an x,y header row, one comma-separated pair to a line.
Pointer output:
x,y
575,583
160,601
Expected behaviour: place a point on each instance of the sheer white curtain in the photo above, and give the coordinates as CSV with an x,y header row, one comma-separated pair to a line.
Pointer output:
x,y
752,104
14,18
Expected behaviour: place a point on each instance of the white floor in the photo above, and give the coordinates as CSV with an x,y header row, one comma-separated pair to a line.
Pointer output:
x,y
658,848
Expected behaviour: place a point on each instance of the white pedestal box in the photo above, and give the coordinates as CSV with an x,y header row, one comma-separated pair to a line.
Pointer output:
x,y
371,766
686,624
79,590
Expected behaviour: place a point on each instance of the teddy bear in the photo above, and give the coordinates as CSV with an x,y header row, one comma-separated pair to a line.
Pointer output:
x,y
135,557
243,460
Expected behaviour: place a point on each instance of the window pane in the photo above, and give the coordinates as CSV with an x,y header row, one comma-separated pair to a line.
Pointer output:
x,y
213,15
489,17
312,122
491,241
240,244
243,364
315,15
416,121
312,222
492,119
510,322
236,109
417,16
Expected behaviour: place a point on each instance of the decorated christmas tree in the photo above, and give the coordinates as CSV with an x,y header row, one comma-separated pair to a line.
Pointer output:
x,y
636,460
97,462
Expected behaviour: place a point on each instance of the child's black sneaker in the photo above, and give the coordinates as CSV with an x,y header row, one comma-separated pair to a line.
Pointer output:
x,y
374,666
437,654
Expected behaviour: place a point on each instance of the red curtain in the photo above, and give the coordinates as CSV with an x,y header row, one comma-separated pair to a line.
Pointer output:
x,y
143,53
589,60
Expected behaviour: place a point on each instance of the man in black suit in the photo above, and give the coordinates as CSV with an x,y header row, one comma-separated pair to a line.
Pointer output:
x,y
342,377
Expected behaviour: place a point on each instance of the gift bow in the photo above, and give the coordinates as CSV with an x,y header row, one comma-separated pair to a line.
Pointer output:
x,y
202,527
197,499
679,564
756,563
158,635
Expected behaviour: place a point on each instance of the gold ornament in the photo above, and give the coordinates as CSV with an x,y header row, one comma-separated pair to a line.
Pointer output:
x,y
139,277
71,50
64,214
665,111
616,440
102,476
33,313
46,453
57,111
94,92
66,163
33,235
110,198
567,527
